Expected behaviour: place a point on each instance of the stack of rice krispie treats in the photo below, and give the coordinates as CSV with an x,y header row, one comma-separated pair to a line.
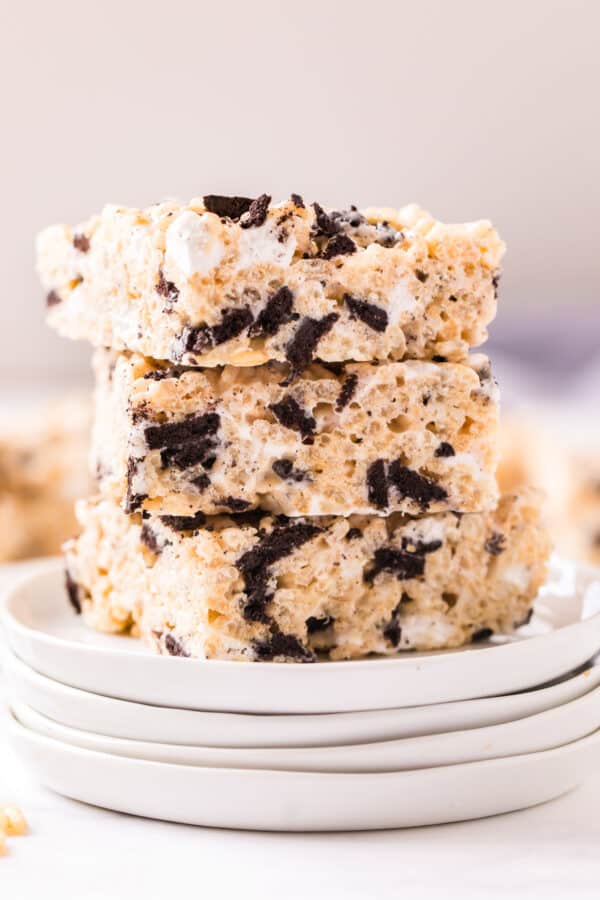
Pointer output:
x,y
295,449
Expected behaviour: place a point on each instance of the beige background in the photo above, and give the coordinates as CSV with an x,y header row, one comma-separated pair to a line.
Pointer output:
x,y
471,108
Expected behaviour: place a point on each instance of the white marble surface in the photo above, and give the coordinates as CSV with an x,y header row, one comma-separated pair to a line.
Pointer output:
x,y
73,850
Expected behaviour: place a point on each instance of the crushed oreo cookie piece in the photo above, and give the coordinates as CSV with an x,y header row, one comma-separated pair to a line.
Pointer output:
x,y
276,313
81,242
377,485
176,433
201,481
338,245
291,415
439,359
297,200
257,212
421,547
254,564
149,538
484,373
351,217
53,299
233,322
353,533
415,486
197,339
174,647
313,624
526,619
184,523
347,392
392,631
300,350
402,564
200,338
72,589
483,634
227,207
445,449
166,289
387,236
325,225
235,504
496,283
286,471
373,316
280,644
186,443
495,544
422,276
133,501
450,599
161,374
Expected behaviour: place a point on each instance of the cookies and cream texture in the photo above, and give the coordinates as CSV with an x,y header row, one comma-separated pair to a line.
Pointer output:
x,y
294,446
236,281
260,587
411,437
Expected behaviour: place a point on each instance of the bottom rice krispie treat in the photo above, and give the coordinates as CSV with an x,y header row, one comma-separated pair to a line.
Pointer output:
x,y
258,587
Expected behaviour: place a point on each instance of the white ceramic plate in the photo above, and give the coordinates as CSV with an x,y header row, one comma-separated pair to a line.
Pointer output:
x,y
139,722
43,631
545,731
305,801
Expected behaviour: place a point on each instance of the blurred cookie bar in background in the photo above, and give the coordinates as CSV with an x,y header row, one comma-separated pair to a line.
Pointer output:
x,y
43,468
558,452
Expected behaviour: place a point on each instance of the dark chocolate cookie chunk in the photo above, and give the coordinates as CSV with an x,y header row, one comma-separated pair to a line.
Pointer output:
x,y
496,543
257,212
291,415
301,349
53,299
483,634
377,486
235,504
184,523
373,316
347,392
314,625
133,500
81,242
415,486
325,225
174,647
402,564
166,289
254,564
276,313
72,589
280,644
286,471
227,207
445,449
338,245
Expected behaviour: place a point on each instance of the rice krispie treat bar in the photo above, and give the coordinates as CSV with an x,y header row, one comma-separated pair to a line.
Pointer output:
x,y
230,280
412,437
259,587
43,468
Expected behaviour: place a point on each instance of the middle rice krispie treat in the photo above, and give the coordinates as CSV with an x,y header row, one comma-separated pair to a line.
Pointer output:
x,y
412,437
258,587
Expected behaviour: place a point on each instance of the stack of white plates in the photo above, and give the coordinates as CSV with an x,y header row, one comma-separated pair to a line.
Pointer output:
x,y
378,743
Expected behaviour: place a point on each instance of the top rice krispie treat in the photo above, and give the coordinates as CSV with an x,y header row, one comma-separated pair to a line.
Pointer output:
x,y
230,280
